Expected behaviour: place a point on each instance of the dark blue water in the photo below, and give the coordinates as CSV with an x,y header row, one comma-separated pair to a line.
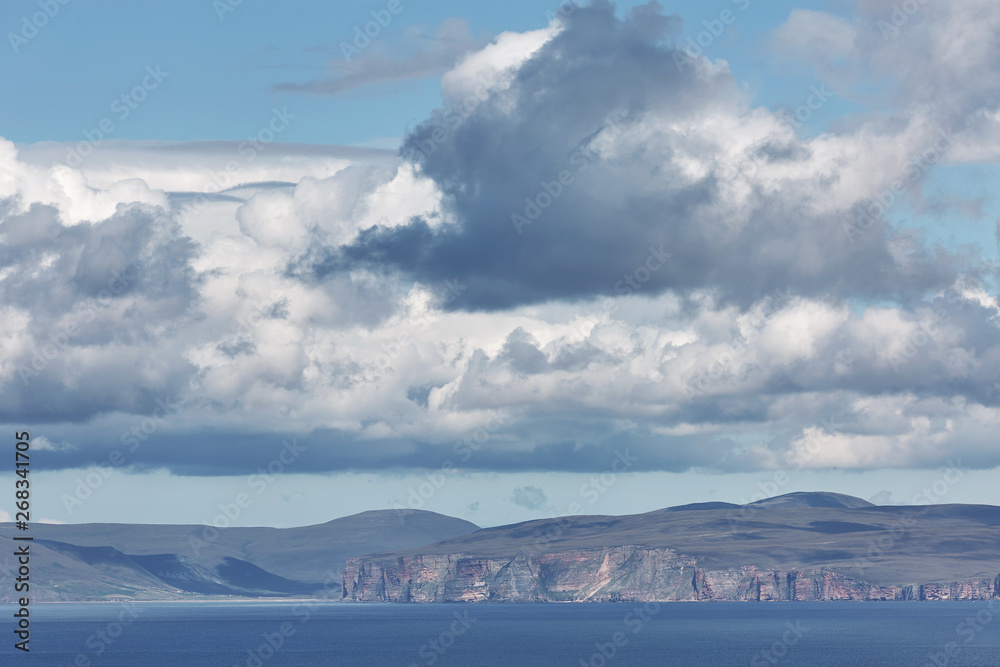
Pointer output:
x,y
253,634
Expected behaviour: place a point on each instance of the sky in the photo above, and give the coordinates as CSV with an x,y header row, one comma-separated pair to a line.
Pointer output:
x,y
492,260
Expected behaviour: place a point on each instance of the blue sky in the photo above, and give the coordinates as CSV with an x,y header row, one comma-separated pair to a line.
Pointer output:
x,y
222,71
207,206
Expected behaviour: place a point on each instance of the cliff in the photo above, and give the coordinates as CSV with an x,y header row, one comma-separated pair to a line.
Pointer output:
x,y
801,546
618,574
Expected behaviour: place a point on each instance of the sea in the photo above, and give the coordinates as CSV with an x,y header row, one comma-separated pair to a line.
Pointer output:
x,y
717,634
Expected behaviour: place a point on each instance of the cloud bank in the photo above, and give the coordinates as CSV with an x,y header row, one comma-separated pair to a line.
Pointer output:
x,y
598,245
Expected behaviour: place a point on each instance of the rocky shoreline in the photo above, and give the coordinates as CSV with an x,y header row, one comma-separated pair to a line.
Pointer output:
x,y
620,574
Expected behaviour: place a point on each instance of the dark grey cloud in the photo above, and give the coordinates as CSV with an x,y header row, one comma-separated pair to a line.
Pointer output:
x,y
105,301
210,451
594,236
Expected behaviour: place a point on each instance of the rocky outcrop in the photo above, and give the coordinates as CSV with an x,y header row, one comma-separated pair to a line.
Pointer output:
x,y
584,575
617,574
961,590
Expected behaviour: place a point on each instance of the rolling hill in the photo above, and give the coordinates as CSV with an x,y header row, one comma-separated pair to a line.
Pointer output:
x,y
799,546
796,546
99,561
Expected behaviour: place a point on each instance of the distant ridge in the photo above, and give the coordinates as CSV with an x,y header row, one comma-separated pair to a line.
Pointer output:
x,y
803,499
693,507
146,561
798,499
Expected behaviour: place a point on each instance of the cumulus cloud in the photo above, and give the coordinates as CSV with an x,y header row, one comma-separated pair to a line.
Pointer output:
x,y
560,193
707,289
936,57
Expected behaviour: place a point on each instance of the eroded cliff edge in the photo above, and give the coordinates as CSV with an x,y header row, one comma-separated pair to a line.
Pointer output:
x,y
619,574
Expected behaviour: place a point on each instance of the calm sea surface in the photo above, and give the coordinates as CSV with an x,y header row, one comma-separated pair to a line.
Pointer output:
x,y
253,634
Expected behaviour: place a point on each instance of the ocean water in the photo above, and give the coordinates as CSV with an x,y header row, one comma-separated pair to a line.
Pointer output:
x,y
254,634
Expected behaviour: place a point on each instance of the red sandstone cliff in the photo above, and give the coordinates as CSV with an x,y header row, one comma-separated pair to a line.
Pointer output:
x,y
625,573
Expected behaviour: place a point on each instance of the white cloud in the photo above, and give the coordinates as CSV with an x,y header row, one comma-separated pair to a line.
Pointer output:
x,y
495,65
248,329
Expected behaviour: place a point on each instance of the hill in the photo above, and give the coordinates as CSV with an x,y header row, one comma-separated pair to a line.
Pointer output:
x,y
98,561
797,546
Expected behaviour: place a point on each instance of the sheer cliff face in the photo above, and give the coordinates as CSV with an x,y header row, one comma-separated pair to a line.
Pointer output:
x,y
598,575
800,546
626,573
